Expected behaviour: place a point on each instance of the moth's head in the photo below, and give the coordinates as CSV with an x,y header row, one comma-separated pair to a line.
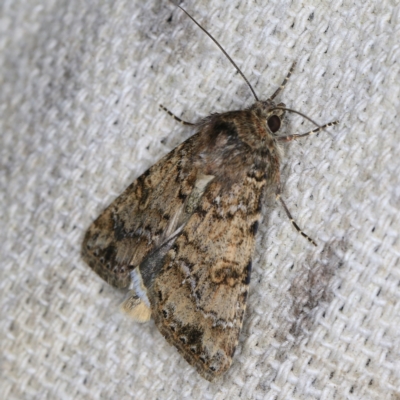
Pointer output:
x,y
267,110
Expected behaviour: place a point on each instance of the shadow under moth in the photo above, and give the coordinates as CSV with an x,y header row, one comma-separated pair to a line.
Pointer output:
x,y
182,235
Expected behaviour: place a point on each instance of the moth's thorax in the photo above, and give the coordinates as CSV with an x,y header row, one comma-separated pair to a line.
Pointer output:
x,y
238,144
257,126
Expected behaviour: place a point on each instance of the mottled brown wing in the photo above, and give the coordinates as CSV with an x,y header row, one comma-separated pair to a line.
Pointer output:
x,y
142,218
198,297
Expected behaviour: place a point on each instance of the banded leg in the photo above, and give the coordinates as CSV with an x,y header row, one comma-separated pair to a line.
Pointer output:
x,y
285,81
278,197
289,138
175,117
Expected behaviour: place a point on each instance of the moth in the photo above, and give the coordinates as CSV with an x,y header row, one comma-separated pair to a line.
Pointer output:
x,y
182,235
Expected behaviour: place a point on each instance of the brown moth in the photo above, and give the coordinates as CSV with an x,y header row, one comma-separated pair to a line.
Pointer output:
x,y
181,237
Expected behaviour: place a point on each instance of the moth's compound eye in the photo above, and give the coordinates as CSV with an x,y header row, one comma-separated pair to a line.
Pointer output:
x,y
274,123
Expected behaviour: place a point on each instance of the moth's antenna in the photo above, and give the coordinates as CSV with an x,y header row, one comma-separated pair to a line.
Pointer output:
x,y
296,112
292,137
222,49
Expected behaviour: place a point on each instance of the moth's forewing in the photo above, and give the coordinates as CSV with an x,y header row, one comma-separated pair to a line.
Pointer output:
x,y
199,296
141,219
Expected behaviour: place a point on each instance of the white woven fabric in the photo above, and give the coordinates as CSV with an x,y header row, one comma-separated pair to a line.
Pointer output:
x,y
80,84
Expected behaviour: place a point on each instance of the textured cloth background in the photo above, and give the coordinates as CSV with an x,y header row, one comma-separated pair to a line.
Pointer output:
x,y
80,84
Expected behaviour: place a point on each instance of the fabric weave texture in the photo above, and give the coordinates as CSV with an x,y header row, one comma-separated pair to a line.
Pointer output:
x,y
80,84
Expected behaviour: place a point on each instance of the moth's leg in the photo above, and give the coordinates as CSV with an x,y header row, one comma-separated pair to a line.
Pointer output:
x,y
289,138
278,197
175,117
285,81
